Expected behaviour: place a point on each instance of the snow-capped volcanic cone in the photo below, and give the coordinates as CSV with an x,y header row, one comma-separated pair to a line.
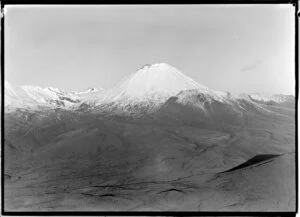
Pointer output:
x,y
158,81
147,88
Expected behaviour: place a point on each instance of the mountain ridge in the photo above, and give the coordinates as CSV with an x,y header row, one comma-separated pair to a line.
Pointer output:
x,y
147,89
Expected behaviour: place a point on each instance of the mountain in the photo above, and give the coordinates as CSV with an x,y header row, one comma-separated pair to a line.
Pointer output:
x,y
153,87
158,81
276,98
157,141
35,97
211,108
273,99
148,88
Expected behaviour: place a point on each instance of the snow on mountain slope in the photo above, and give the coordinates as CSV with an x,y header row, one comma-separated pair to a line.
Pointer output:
x,y
10,94
52,96
265,99
147,89
34,97
89,90
196,107
9,90
158,81
143,92
12,97
90,100
277,98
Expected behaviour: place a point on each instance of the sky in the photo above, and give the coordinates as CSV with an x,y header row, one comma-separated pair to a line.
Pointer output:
x,y
237,48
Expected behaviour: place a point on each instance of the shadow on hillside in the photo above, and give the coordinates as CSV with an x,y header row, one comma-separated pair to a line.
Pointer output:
x,y
255,160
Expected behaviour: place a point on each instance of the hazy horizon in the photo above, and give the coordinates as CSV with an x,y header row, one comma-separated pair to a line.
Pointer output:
x,y
236,48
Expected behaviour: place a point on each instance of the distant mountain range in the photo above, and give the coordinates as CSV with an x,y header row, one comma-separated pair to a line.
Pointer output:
x,y
152,88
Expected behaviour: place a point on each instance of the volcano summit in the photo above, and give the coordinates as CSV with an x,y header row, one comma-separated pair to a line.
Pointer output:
x,y
158,80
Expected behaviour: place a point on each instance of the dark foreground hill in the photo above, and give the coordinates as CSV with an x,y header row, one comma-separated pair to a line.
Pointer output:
x,y
67,160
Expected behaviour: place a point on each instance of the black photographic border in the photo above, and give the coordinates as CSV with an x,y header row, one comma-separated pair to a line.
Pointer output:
x,y
163,3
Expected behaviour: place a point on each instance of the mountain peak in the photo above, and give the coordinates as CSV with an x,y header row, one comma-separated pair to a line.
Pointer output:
x,y
155,65
157,68
158,80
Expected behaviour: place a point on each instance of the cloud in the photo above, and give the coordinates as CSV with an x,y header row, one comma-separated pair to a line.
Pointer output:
x,y
251,66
